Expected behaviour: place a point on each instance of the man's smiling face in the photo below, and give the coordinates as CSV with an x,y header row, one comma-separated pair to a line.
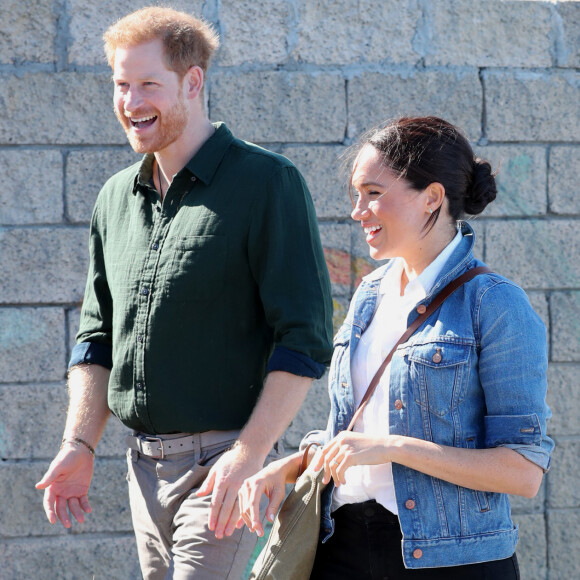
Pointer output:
x,y
148,100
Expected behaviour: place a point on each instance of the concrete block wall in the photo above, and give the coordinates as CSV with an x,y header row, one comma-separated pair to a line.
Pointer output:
x,y
302,77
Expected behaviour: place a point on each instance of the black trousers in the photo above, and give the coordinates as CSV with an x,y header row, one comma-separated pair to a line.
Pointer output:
x,y
366,545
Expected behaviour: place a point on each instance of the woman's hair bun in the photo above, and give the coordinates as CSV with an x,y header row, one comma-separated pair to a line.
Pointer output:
x,y
483,188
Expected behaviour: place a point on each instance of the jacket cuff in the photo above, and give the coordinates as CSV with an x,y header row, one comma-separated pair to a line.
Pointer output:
x,y
92,353
537,455
522,433
318,437
296,363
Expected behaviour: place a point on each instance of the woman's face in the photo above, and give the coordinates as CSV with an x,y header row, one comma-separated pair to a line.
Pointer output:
x,y
391,214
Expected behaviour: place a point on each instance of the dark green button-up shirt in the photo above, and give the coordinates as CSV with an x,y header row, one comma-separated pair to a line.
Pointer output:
x,y
198,296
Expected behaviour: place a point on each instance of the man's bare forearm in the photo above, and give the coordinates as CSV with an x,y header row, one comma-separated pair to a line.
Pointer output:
x,y
88,409
282,396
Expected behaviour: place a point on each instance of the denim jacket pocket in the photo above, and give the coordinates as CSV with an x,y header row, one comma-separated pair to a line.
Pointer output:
x,y
439,372
481,497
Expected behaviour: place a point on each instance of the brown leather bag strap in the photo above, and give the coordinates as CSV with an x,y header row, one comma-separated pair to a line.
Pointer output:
x,y
304,462
437,301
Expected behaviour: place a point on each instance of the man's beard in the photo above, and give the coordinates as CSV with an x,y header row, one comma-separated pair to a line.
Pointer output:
x,y
169,128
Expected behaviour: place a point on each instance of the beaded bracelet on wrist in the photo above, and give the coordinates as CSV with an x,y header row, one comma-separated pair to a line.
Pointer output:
x,y
78,441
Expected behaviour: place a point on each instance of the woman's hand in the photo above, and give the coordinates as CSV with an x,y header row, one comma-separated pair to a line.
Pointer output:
x,y
271,481
347,449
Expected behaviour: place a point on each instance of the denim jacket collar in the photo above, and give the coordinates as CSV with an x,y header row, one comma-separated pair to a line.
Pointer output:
x,y
459,261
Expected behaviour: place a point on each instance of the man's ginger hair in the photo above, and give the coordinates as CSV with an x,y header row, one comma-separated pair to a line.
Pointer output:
x,y
187,41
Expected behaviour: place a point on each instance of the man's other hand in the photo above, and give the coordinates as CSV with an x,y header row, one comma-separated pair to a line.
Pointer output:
x,y
66,485
223,482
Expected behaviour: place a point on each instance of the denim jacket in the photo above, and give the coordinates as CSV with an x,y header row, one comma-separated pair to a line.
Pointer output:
x,y
486,388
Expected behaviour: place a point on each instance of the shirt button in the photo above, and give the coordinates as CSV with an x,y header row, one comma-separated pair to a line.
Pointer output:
x,y
145,291
421,309
398,404
140,386
193,178
158,207
155,246
410,504
140,338
417,554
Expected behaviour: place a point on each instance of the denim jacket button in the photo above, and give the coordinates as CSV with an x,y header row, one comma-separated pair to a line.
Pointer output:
x,y
437,357
410,504
417,553
421,308
398,404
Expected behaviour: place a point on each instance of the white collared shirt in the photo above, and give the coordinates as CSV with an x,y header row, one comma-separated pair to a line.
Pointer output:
x,y
364,482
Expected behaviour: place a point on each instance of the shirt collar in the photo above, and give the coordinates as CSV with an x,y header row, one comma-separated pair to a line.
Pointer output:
x,y
426,280
429,275
203,164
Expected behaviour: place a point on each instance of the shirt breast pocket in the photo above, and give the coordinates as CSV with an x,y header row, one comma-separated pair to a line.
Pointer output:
x,y
198,268
439,373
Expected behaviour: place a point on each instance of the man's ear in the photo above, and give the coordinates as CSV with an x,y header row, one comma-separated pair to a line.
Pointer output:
x,y
193,82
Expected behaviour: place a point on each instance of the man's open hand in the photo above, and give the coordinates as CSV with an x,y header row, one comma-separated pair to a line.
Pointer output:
x,y
223,482
66,485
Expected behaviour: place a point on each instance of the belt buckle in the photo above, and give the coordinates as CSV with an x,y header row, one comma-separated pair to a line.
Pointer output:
x,y
160,448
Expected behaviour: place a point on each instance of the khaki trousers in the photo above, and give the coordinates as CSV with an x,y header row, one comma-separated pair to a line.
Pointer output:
x,y
170,521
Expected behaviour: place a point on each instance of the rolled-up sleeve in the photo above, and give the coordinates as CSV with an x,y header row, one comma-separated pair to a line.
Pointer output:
x,y
288,265
94,337
290,361
522,433
513,373
91,353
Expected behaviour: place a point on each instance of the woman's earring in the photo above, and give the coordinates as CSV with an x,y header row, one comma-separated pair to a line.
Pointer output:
x,y
430,211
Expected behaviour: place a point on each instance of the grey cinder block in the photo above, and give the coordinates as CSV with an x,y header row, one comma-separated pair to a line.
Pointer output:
x,y
532,546
517,248
455,95
563,537
565,309
87,170
532,106
62,108
28,35
563,491
343,32
321,167
47,264
564,399
33,187
71,558
463,32
32,344
568,48
564,177
242,25
521,179
266,106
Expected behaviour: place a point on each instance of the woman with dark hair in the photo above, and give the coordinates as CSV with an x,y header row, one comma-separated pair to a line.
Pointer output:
x,y
418,489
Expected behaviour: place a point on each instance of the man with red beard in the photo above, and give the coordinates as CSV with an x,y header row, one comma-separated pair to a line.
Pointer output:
x,y
207,310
